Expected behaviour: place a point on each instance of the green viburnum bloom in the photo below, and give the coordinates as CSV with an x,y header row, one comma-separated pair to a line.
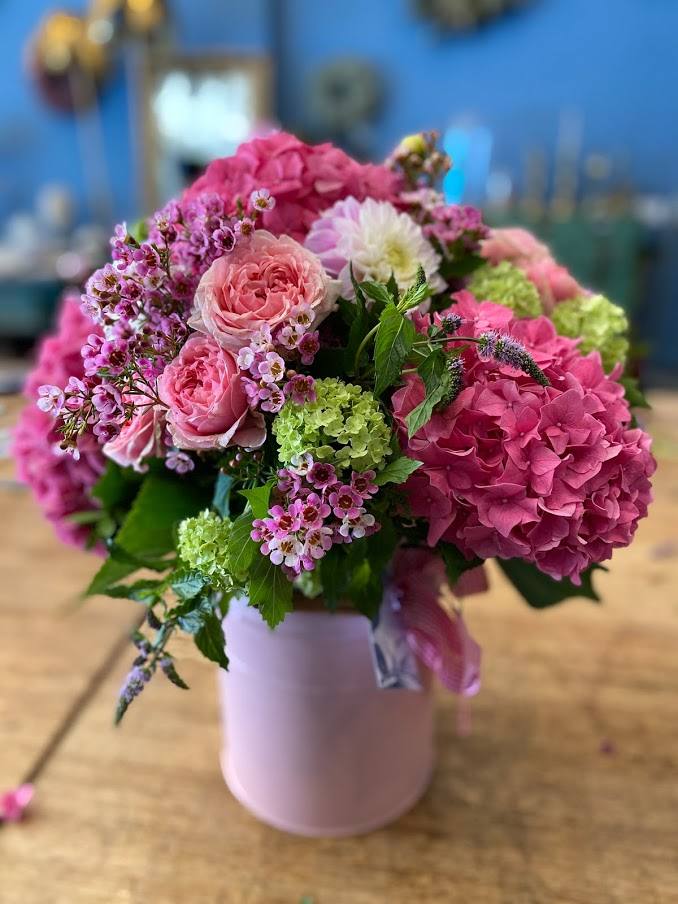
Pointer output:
x,y
344,425
507,285
203,546
600,324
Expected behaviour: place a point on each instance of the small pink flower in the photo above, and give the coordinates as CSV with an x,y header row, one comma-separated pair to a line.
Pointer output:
x,y
318,542
311,511
308,347
346,502
364,484
272,398
50,399
13,803
322,475
301,389
301,464
261,199
271,368
358,526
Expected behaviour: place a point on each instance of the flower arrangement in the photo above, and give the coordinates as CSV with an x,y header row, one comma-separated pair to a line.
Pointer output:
x,y
305,371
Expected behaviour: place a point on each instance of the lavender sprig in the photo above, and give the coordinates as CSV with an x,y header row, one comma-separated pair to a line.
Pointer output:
x,y
504,349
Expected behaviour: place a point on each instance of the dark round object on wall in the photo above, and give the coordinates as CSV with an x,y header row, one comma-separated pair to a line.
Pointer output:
x,y
344,94
456,15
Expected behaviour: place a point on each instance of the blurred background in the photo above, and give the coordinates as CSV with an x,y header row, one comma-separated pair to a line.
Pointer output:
x,y
559,115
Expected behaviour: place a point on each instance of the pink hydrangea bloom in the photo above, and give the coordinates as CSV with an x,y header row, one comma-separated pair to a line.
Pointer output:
x,y
553,475
60,484
305,180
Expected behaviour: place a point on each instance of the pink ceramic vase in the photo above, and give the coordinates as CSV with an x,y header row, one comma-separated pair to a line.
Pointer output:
x,y
311,745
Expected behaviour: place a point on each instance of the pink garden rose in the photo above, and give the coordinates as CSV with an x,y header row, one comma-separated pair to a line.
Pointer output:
x,y
518,246
553,475
140,438
206,401
553,282
304,179
263,282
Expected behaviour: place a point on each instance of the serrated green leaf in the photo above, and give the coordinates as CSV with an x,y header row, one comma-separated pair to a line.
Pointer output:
x,y
393,343
432,369
392,287
540,591
210,641
109,574
269,590
418,292
144,591
188,584
222,494
194,613
161,503
241,547
397,471
437,380
258,498
377,292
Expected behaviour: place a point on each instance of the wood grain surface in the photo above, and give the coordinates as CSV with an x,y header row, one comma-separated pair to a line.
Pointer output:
x,y
564,792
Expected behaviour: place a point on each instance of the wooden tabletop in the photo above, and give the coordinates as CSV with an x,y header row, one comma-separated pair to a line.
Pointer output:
x,y
564,792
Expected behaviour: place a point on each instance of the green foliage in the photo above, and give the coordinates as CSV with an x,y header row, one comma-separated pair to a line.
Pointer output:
x,y
455,562
222,494
241,547
210,640
434,371
541,591
397,471
269,590
393,343
187,584
258,498
634,394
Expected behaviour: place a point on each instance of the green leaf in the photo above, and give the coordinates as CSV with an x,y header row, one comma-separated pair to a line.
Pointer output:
x,y
210,641
188,584
634,394
91,516
541,591
170,671
193,614
418,292
269,590
162,502
333,576
397,471
377,292
117,487
359,328
258,498
145,591
455,562
436,376
393,343
109,574
222,494
392,287
241,547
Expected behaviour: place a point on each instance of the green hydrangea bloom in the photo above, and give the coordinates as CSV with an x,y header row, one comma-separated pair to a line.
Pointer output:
x,y
203,545
600,324
344,425
507,285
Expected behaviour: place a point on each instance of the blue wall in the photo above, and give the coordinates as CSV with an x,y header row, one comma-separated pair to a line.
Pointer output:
x,y
615,60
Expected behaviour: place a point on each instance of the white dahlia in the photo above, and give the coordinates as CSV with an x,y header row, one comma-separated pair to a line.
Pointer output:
x,y
377,240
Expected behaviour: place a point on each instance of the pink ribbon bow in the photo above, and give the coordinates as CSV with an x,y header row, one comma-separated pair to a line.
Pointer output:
x,y
439,638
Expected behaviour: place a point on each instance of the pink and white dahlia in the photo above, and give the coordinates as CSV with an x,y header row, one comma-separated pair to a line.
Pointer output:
x,y
377,240
555,475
